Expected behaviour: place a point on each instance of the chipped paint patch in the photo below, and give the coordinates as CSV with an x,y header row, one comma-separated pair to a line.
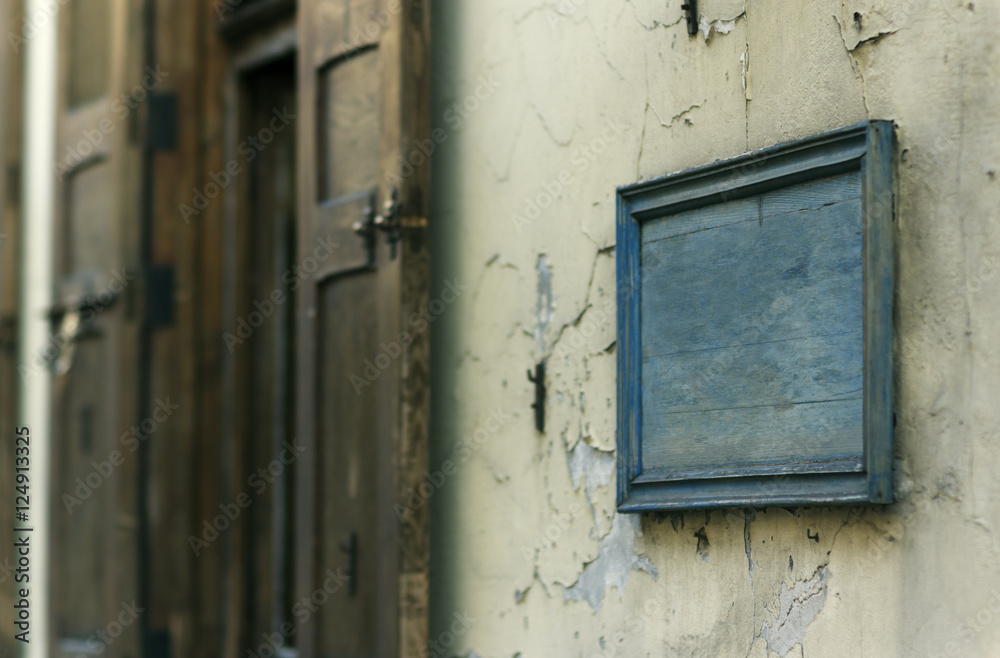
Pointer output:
x,y
798,605
613,565
722,26
592,468
745,64
543,307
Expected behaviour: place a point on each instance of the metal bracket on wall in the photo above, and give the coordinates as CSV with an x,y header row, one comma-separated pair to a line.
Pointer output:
x,y
691,13
538,379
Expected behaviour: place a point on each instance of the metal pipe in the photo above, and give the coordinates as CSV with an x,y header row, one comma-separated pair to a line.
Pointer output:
x,y
38,190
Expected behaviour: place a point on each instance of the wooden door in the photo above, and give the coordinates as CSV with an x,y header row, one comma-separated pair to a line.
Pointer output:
x,y
362,403
94,461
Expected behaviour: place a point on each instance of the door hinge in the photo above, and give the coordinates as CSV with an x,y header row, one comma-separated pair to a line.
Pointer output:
x,y
161,125
159,295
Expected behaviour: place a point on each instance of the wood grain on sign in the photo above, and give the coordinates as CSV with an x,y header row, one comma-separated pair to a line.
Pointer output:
x,y
755,306
753,345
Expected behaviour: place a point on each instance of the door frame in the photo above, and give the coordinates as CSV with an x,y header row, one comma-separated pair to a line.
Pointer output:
x,y
252,53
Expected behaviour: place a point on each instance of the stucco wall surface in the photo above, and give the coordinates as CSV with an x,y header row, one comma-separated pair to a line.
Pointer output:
x,y
546,108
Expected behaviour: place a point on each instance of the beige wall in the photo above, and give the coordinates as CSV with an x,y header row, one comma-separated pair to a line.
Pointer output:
x,y
558,83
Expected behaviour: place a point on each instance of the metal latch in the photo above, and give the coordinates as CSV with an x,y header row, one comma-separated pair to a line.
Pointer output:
x,y
538,379
388,222
365,228
80,302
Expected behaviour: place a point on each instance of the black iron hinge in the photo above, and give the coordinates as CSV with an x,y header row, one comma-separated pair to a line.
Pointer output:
x,y
161,129
159,295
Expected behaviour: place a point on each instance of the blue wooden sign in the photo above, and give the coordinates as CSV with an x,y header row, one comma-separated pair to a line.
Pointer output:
x,y
755,328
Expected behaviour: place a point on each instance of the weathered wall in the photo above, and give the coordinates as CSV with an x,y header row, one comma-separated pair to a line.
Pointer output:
x,y
579,97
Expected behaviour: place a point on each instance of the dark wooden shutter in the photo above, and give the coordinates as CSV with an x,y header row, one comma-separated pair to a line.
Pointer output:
x,y
363,102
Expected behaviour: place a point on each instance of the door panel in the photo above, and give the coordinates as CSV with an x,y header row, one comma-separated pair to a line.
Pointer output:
x,y
348,101
345,320
362,413
336,23
80,523
346,494
87,233
89,47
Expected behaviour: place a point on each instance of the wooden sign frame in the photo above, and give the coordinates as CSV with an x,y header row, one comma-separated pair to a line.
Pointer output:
x,y
866,149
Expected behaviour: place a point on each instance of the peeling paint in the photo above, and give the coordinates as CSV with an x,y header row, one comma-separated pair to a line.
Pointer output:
x,y
720,25
872,39
594,467
680,115
614,563
798,606
590,464
543,307
745,63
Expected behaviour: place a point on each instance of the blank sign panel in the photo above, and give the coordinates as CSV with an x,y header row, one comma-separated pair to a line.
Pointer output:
x,y
755,354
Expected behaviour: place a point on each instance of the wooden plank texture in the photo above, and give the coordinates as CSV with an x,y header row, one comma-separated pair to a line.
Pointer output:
x,y
346,456
349,121
752,330
879,209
